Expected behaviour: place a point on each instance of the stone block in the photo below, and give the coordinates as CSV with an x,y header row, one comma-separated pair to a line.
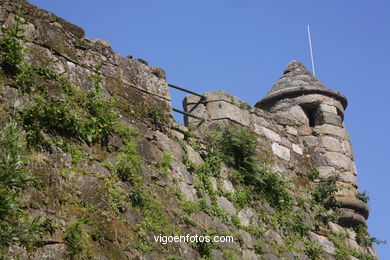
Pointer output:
x,y
269,257
326,171
281,151
331,144
248,216
272,236
179,171
227,206
50,252
349,177
259,121
296,113
204,221
247,239
328,108
224,110
338,160
328,129
193,156
166,144
310,141
323,242
250,255
292,130
214,184
197,110
296,148
227,186
260,130
189,192
328,118
304,130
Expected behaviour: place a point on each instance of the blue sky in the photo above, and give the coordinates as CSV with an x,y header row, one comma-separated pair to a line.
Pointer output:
x,y
242,46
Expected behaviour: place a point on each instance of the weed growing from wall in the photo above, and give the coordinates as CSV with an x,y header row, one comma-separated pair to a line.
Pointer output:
x,y
157,116
237,149
59,109
11,47
15,227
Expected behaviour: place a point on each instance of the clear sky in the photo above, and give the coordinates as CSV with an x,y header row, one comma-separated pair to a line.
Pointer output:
x,y
242,46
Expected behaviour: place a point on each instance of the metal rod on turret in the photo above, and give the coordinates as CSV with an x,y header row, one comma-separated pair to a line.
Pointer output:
x,y
311,50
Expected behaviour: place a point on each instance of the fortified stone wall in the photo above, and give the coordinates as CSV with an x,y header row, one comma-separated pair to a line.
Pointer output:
x,y
60,45
299,125
301,122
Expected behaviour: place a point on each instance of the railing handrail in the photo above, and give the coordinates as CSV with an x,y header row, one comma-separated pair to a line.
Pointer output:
x,y
202,97
186,90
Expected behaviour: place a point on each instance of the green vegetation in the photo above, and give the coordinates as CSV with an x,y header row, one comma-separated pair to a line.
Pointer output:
x,y
363,196
74,239
313,174
59,109
15,227
157,117
339,239
165,163
237,149
62,115
325,189
313,250
11,47
259,247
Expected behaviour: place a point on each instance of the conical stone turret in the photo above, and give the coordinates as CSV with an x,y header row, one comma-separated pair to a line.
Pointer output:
x,y
298,81
300,96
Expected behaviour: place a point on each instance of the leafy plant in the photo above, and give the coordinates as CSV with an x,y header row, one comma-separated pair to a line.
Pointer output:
x,y
11,47
363,196
313,174
157,116
74,237
165,163
59,109
237,148
325,189
313,250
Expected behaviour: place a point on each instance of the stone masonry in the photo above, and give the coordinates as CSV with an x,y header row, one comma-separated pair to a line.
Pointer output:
x,y
301,121
60,45
299,125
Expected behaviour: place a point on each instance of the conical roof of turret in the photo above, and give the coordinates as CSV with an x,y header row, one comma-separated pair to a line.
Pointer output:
x,y
297,80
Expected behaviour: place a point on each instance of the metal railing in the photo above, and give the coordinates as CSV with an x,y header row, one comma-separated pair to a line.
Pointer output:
x,y
202,97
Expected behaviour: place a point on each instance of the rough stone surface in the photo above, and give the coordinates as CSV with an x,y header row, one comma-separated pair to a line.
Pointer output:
x,y
246,238
248,216
250,255
326,171
168,145
226,205
296,148
179,171
222,110
323,242
51,252
188,192
281,151
267,133
194,156
339,160
205,221
271,235
228,187
299,127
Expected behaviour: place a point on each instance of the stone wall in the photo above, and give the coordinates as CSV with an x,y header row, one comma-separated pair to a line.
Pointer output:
x,y
298,131
60,45
288,133
302,131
